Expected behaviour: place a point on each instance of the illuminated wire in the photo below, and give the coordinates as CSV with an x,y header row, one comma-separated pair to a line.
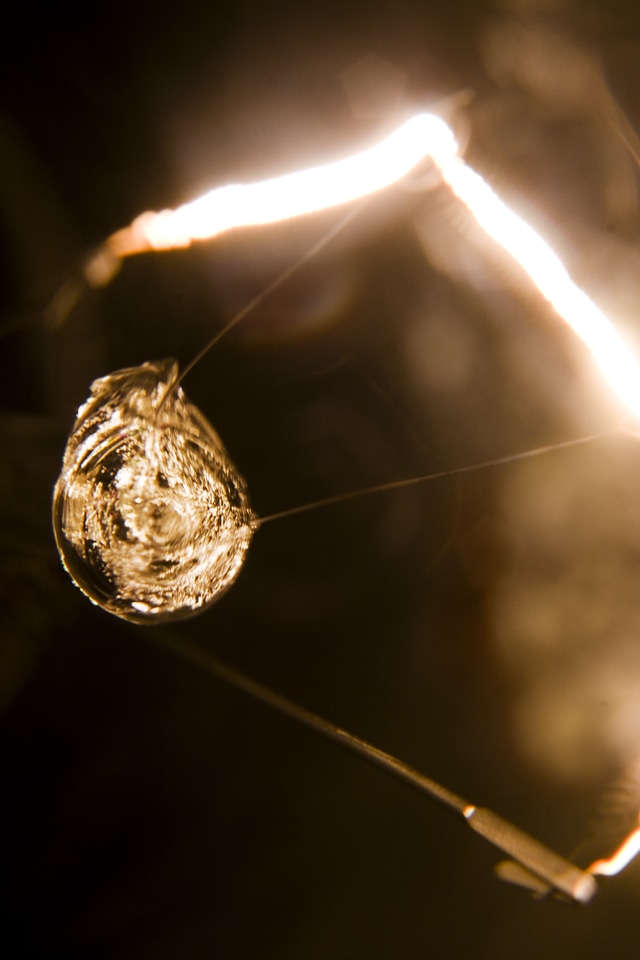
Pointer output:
x,y
292,195
535,256
343,181
626,852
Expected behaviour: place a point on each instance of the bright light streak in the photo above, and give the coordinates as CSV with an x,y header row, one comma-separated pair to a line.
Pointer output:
x,y
535,256
626,852
319,188
292,195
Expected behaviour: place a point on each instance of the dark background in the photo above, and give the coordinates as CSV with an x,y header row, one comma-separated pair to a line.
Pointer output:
x,y
484,629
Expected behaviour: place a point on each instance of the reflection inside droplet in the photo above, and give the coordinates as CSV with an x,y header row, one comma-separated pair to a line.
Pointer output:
x,y
151,517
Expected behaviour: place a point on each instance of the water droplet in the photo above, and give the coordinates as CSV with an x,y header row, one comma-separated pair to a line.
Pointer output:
x,y
151,517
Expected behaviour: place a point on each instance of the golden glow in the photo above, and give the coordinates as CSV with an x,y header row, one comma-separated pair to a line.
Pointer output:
x,y
536,257
626,852
309,191
306,191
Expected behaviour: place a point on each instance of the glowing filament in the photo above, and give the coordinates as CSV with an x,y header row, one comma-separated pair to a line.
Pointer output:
x,y
626,852
319,188
538,260
306,191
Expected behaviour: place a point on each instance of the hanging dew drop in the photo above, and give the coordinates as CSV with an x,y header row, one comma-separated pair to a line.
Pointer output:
x,y
151,517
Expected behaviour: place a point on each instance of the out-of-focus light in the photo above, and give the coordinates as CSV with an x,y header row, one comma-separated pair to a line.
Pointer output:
x,y
546,270
303,192
626,852
319,188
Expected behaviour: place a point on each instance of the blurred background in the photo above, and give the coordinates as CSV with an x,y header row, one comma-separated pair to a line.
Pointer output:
x,y
484,629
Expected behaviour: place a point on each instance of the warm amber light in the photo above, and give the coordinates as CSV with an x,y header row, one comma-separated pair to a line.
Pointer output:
x,y
538,260
626,852
302,192
309,191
